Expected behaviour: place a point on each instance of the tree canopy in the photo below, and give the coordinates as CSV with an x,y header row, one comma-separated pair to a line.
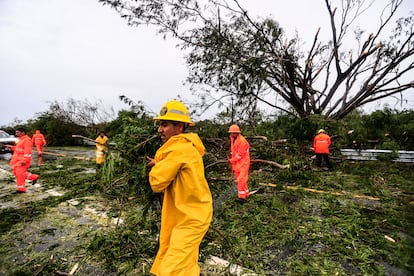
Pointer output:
x,y
241,63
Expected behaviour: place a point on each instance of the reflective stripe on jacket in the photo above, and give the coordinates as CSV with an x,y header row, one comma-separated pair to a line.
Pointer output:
x,y
187,205
321,143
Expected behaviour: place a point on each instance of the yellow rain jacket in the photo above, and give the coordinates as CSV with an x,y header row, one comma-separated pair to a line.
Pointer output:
x,y
100,149
187,206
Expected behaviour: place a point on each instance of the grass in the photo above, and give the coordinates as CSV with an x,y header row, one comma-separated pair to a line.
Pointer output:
x,y
279,231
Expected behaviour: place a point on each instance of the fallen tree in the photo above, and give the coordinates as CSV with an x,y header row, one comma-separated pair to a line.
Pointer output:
x,y
268,162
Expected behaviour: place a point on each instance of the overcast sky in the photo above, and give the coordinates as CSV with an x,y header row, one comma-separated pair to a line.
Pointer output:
x,y
53,50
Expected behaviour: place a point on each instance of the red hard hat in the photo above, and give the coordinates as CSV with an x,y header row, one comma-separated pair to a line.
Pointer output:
x,y
234,129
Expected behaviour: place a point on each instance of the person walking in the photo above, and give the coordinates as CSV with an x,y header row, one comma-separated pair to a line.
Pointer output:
x,y
21,159
101,143
321,143
38,140
240,161
178,170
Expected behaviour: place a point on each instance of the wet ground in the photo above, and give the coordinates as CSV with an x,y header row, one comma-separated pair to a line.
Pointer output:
x,y
58,235
54,235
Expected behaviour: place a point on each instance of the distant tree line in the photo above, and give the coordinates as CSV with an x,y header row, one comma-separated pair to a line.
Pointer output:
x,y
384,129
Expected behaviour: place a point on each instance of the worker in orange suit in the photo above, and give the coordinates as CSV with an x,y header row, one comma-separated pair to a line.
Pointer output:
x,y
101,143
177,170
240,161
321,143
21,159
39,141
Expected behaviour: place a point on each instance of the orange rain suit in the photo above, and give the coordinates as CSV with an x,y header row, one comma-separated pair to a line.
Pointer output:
x,y
240,162
20,162
187,206
39,141
321,143
100,149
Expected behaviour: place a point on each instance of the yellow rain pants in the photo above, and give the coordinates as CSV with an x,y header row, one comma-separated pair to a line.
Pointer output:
x,y
187,205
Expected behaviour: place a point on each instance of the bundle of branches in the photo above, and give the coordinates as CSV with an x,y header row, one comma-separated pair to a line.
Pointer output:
x,y
125,172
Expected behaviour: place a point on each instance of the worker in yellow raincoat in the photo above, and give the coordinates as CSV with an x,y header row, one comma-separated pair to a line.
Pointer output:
x,y
101,143
178,170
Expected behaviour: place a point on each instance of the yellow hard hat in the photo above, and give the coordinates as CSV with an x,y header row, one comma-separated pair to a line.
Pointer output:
x,y
321,130
174,111
234,129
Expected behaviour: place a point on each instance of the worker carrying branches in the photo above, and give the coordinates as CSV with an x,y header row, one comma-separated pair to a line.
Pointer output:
x,y
101,143
178,170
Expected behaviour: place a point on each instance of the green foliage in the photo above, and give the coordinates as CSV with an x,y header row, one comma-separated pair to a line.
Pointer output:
x,y
63,119
297,232
392,128
384,129
57,131
128,247
127,174
278,231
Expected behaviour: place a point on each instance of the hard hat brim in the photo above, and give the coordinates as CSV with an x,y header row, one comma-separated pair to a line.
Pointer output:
x,y
190,123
